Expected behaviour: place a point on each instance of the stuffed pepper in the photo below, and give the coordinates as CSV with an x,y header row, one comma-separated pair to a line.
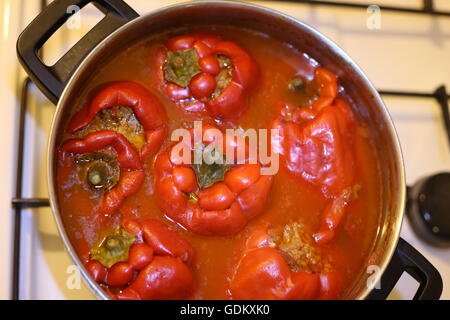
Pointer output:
x,y
316,144
128,108
143,260
206,75
217,198
283,264
107,163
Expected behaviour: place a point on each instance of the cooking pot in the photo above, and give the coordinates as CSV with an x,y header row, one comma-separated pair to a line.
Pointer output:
x,y
390,255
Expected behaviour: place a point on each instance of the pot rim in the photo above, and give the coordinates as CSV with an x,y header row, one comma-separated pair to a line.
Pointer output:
x,y
52,148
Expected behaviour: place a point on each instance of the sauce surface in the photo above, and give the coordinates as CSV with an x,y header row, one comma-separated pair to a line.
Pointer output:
x,y
290,199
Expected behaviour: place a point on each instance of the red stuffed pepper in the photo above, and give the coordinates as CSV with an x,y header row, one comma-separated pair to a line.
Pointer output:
x,y
143,261
118,175
316,144
117,96
283,265
211,199
320,150
204,74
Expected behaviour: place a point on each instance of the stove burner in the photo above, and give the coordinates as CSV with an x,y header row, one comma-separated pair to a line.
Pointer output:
x,y
429,209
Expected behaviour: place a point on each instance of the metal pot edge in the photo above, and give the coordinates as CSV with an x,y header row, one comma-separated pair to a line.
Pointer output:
x,y
52,149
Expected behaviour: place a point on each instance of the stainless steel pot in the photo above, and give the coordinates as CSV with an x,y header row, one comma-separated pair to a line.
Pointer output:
x,y
122,26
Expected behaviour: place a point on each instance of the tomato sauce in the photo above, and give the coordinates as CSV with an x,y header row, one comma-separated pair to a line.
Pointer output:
x,y
290,199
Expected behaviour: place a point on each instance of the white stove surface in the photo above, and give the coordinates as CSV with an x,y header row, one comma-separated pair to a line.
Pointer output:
x,y
409,52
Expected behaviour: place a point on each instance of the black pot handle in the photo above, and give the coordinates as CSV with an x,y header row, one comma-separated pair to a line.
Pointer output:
x,y
407,259
51,80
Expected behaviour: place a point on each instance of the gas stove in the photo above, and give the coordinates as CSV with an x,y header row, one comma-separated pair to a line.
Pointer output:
x,y
405,51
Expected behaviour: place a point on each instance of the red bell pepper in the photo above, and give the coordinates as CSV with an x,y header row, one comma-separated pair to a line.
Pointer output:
x,y
146,106
159,257
222,208
316,144
131,173
320,150
197,95
263,274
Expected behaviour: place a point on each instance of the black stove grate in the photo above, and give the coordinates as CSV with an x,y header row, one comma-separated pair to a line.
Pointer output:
x,y
428,6
19,202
